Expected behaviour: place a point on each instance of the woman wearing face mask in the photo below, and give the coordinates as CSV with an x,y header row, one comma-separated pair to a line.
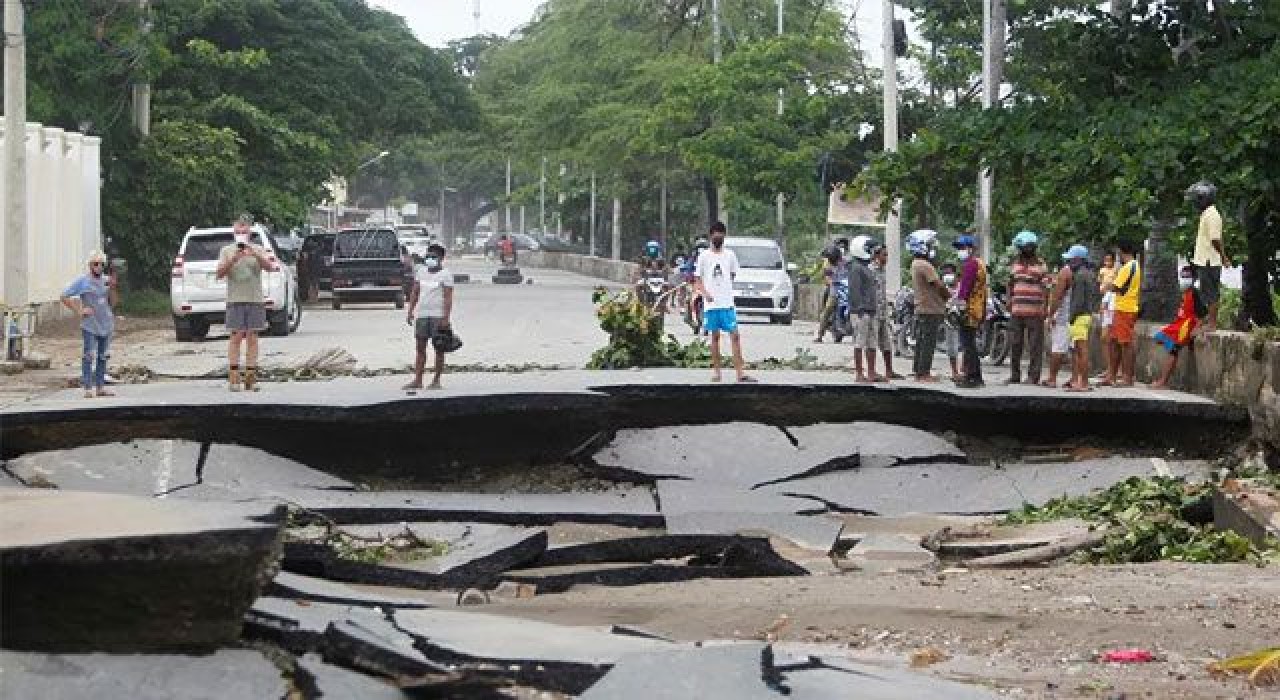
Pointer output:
x,y
1181,332
91,297
430,310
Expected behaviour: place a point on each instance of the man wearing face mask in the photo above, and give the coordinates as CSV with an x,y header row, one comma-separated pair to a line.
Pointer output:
x,y
431,304
241,264
714,279
91,297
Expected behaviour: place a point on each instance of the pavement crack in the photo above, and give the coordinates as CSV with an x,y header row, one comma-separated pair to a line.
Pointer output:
x,y
795,441
770,674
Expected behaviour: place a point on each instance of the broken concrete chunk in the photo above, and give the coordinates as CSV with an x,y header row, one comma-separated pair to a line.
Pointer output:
x,y
728,453
295,586
677,496
727,672
322,680
837,679
1249,509
811,532
876,444
105,572
888,552
229,674
620,506
449,554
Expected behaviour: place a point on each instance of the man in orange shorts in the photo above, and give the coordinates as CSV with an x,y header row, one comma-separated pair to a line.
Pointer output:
x,y
1128,296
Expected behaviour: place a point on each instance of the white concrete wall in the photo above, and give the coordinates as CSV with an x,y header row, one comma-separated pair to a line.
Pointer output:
x,y
64,220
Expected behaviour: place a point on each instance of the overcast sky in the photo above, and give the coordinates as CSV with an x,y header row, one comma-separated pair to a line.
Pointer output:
x,y
437,22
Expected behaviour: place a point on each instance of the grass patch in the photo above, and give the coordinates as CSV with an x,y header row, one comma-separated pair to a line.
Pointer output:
x,y
144,302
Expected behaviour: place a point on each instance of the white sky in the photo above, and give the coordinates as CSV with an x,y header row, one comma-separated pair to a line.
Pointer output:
x,y
437,22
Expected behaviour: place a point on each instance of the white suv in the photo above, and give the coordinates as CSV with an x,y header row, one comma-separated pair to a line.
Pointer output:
x,y
199,298
763,285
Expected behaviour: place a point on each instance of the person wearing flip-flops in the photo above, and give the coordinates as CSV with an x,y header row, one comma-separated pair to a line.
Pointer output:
x,y
430,308
883,336
1081,304
714,282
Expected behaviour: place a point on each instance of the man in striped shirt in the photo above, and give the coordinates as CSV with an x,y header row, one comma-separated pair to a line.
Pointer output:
x,y
1027,296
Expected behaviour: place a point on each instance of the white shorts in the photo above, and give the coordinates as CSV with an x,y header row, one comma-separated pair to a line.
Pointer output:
x,y
1060,337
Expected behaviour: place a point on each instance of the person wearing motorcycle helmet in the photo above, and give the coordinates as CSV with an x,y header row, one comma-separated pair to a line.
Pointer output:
x,y
972,299
1028,299
862,309
1210,255
929,297
834,271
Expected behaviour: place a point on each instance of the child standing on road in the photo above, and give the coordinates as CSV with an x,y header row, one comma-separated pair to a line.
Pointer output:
x,y
1180,333
431,304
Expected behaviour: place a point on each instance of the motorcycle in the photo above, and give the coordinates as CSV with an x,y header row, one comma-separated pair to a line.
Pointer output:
x,y
993,334
651,287
903,319
840,322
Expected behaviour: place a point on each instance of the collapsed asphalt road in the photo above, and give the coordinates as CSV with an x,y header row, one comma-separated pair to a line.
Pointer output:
x,y
360,585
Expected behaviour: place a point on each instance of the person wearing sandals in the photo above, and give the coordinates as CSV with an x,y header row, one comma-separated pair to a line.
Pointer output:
x,y
972,297
431,304
1080,307
883,336
714,279
91,297
241,264
1128,299
863,298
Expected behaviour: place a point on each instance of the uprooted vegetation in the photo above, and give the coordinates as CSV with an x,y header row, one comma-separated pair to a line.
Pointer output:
x,y
1152,519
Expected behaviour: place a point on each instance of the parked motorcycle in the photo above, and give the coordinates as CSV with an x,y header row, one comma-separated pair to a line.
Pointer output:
x,y
903,319
841,325
993,334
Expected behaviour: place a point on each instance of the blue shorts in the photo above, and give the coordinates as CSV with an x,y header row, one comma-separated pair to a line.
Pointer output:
x,y
1169,345
717,320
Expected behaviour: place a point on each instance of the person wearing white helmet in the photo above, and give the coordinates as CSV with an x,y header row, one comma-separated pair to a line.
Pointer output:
x,y
1028,297
930,296
1210,255
862,310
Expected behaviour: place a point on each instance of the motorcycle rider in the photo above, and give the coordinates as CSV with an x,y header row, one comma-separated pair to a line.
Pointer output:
x,y
835,271
700,246
862,310
1028,294
930,301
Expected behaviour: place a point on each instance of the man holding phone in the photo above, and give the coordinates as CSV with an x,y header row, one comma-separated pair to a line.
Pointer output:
x,y
241,265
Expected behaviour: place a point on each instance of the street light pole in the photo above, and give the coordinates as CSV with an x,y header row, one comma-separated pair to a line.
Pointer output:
x,y
992,69
542,199
15,155
893,226
780,230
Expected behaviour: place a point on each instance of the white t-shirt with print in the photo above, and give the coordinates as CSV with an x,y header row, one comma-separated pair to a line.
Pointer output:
x,y
431,286
717,270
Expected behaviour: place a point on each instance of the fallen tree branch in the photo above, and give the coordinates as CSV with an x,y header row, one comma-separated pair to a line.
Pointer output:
x,y
1039,555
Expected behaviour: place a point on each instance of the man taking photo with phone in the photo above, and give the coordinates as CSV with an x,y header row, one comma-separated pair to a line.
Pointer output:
x,y
241,264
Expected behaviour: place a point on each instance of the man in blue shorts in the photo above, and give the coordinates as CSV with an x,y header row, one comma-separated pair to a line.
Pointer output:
x,y
714,279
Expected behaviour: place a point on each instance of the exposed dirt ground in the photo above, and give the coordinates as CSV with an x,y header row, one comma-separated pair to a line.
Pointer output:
x,y
1030,633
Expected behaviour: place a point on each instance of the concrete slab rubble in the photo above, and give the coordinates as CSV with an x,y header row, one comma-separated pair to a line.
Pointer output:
x,y
229,674
297,587
328,681
105,572
620,506
888,552
475,554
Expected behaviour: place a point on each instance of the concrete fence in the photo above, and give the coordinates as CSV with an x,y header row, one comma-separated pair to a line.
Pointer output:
x,y
64,223
618,271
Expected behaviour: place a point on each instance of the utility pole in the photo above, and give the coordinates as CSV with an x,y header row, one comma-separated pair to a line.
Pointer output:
x,y
15,155
564,172
721,190
617,229
993,23
542,199
780,231
662,210
893,226
142,91
592,235
508,228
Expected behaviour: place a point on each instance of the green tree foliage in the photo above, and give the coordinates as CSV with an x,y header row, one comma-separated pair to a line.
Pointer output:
x,y
290,92
1110,118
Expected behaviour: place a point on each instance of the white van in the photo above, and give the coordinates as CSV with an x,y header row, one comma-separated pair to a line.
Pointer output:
x,y
763,286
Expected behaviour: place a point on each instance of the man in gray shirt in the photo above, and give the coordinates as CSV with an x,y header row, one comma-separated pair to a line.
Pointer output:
x,y
91,296
863,297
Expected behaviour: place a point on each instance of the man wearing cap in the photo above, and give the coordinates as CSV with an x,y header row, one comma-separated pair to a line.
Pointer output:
x,y
1080,307
241,265
972,297
91,297
1209,256
1027,292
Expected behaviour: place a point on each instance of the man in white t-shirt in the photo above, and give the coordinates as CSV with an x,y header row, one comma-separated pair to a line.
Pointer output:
x,y
431,304
714,276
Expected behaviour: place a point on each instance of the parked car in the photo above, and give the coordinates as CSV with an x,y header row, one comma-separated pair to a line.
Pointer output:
x,y
370,264
199,299
522,242
415,238
315,265
763,285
